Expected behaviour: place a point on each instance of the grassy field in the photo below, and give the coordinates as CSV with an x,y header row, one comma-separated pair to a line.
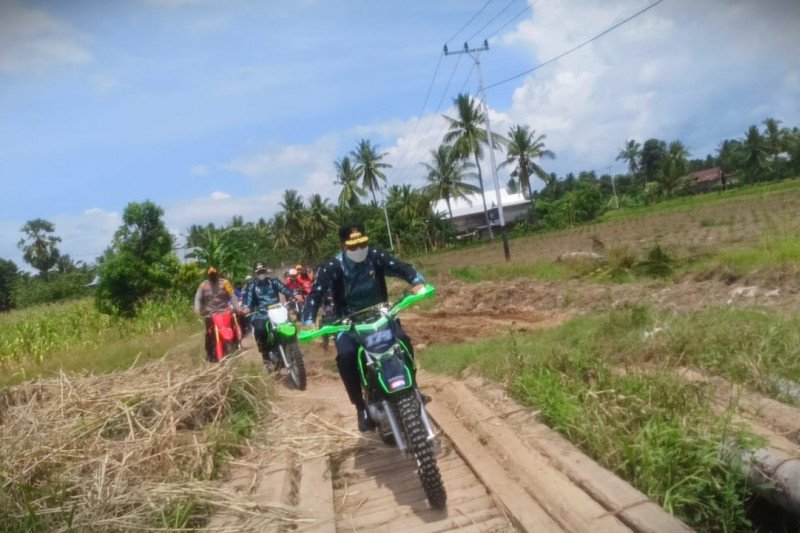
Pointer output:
x,y
651,428
608,379
76,336
688,228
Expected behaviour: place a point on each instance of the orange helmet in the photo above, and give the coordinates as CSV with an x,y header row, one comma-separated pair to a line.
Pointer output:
x,y
211,270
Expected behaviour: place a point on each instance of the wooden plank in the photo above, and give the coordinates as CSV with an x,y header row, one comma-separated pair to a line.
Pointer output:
x,y
565,502
315,497
525,511
616,495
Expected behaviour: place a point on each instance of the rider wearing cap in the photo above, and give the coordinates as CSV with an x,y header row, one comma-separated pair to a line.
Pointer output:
x,y
214,295
357,279
262,292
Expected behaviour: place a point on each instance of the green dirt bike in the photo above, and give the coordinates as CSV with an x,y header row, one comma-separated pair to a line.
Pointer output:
x,y
388,380
282,333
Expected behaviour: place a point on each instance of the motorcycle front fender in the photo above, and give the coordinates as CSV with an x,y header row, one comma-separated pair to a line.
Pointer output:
x,y
394,376
287,329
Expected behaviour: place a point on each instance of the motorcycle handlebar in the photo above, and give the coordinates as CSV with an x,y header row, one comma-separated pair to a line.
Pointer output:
x,y
345,324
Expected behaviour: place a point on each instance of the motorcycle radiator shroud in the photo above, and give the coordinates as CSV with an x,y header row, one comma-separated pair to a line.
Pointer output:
x,y
384,353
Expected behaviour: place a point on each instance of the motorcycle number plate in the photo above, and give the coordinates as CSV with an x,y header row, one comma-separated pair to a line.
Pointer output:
x,y
379,341
278,315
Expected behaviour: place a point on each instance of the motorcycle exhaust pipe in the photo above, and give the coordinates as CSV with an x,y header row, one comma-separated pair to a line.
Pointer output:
x,y
398,436
426,421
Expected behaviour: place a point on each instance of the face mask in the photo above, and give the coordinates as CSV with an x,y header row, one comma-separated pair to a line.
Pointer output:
x,y
261,277
358,255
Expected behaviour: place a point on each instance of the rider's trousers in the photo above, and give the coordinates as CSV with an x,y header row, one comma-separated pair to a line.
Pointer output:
x,y
260,326
347,361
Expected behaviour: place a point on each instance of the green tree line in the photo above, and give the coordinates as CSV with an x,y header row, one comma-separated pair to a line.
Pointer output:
x,y
140,262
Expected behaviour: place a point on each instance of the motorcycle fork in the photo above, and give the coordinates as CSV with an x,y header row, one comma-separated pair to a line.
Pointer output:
x,y
423,415
388,410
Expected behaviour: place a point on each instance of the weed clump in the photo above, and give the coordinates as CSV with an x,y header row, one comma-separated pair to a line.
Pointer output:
x,y
657,264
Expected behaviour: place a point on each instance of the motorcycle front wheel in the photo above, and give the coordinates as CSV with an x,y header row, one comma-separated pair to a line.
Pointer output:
x,y
293,358
408,411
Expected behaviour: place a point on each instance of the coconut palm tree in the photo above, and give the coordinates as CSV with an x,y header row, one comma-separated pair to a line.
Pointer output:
x,y
729,155
680,155
347,177
280,231
409,209
774,136
524,148
631,152
294,212
446,176
318,222
65,264
214,247
775,141
468,137
673,168
39,244
369,166
755,153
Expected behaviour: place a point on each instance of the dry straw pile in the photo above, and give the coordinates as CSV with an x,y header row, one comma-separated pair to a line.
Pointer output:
x,y
134,450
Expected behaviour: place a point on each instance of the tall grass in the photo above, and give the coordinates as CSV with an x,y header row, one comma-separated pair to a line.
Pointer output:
x,y
30,335
650,428
772,251
749,346
688,203
542,270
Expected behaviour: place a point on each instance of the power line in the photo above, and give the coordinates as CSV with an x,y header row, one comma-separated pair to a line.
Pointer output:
x,y
430,124
469,75
552,60
492,20
424,103
468,22
515,17
416,153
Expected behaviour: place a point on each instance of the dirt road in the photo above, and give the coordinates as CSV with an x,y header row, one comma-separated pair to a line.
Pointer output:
x,y
503,470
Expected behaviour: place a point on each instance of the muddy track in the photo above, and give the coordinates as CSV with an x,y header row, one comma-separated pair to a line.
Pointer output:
x,y
503,470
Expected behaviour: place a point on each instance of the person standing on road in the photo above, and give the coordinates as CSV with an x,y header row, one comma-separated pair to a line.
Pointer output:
x,y
261,293
356,277
214,295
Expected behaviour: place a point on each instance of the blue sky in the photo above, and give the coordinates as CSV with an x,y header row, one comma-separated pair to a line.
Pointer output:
x,y
212,108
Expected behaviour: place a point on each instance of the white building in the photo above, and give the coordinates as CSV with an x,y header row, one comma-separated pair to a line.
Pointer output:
x,y
468,213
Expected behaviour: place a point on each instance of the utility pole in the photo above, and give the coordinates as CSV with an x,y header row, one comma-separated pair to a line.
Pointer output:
x,y
474,53
386,215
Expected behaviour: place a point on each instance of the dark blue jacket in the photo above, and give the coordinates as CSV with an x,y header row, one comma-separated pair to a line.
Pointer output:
x,y
356,286
261,294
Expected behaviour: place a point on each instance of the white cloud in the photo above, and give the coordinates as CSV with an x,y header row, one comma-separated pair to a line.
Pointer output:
x,y
677,66
220,210
307,168
218,195
199,170
104,83
31,39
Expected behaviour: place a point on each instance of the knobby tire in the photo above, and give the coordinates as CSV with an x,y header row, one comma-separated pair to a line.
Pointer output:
x,y
297,367
408,411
